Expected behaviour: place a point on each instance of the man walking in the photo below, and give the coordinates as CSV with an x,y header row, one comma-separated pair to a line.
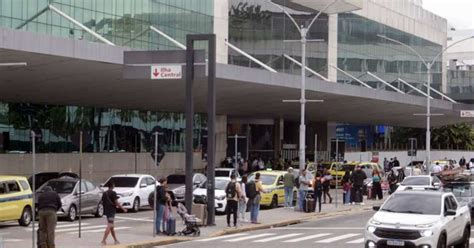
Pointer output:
x,y
109,199
233,194
289,184
304,181
357,179
49,203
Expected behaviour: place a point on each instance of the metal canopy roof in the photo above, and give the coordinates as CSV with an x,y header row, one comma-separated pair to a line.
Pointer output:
x,y
66,71
314,6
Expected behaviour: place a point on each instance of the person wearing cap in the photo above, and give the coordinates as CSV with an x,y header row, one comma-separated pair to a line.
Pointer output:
x,y
49,203
357,179
289,184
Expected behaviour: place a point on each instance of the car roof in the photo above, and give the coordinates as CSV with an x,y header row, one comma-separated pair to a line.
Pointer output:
x,y
418,176
5,177
225,169
272,172
132,175
66,179
421,192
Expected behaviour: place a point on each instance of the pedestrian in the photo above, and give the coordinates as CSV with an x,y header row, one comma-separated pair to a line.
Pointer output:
x,y
289,184
385,164
326,185
49,203
261,164
396,163
318,189
254,188
376,185
160,204
232,191
346,189
392,178
417,170
304,181
243,200
167,211
462,161
357,178
436,168
245,167
110,203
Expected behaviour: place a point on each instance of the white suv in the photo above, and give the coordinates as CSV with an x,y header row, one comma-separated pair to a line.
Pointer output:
x,y
133,189
425,219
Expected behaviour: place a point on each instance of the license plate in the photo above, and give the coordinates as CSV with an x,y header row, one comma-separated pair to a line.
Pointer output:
x,y
396,242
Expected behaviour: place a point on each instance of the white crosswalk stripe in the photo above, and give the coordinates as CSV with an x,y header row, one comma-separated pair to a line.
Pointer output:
x,y
73,228
222,237
278,237
100,230
337,238
471,240
357,241
250,237
307,238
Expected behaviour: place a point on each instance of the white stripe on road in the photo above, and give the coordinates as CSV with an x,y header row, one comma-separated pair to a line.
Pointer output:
x,y
13,240
250,237
320,228
84,228
307,237
278,237
357,241
221,237
63,225
101,230
346,236
135,219
471,240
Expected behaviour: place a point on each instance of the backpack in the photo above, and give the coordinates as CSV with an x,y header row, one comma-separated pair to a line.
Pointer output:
x,y
297,182
318,186
230,190
251,189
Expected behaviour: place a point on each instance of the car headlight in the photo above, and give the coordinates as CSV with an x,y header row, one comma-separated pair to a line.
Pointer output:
x,y
126,194
371,229
63,202
220,198
374,222
424,225
179,191
426,233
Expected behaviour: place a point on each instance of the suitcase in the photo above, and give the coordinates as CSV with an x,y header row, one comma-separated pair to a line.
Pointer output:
x,y
200,210
171,226
369,193
309,203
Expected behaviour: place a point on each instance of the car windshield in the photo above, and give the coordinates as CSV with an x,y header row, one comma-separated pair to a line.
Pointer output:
x,y
124,182
60,187
411,204
220,184
459,189
416,181
176,179
222,173
265,179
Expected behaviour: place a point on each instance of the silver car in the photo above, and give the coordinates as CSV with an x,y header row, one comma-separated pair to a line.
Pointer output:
x,y
176,184
68,190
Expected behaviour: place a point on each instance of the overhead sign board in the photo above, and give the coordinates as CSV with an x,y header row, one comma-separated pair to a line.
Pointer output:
x,y
467,113
166,72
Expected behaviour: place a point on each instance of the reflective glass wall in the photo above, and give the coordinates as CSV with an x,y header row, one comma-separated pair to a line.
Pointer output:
x,y
360,51
259,28
104,130
123,22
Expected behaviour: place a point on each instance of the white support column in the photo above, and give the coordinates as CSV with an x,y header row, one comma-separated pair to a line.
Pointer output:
x,y
332,46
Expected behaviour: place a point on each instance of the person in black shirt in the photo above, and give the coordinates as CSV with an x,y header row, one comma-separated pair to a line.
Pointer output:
x,y
357,179
49,203
160,203
109,200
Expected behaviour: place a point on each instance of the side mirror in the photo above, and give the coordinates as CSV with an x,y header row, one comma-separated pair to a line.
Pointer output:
x,y
376,208
280,183
436,184
143,185
450,212
80,193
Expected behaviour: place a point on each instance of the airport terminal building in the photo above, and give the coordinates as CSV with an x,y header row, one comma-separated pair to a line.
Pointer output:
x,y
73,81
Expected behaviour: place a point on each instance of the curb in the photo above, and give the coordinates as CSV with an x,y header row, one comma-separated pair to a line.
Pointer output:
x,y
146,244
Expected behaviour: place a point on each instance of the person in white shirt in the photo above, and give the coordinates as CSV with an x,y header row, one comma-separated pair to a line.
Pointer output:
x,y
436,168
417,170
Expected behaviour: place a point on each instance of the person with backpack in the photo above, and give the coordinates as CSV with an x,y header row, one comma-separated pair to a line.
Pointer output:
x,y
49,203
289,184
110,203
318,189
253,190
243,200
233,193
161,200
357,178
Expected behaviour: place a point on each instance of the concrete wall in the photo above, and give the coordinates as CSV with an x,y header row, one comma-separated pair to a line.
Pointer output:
x,y
402,156
96,167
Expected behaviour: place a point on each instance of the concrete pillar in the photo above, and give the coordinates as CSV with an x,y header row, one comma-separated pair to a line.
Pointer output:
x,y
221,29
332,46
221,138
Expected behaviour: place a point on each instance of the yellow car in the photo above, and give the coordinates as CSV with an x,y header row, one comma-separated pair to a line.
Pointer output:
x,y
339,170
272,182
15,200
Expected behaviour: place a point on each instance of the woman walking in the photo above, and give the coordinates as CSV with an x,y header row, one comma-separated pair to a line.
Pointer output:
x,y
326,185
376,185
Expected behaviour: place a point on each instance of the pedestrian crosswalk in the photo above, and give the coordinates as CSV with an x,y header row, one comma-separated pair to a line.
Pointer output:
x,y
291,237
73,228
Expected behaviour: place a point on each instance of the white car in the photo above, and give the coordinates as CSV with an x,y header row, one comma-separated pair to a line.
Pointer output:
x,y
133,189
418,218
226,172
200,194
420,182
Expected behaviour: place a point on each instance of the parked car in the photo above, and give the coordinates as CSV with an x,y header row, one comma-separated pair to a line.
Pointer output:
x,y
220,184
133,190
68,190
226,172
369,167
177,185
416,218
43,177
272,182
420,182
15,200
463,191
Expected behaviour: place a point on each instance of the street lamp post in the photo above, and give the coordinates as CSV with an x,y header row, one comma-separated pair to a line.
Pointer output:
x,y
428,66
303,33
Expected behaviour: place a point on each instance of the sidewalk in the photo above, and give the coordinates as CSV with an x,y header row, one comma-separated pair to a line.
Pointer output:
x,y
268,218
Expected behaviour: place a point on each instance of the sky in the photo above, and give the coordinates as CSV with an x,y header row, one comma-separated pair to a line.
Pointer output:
x,y
459,13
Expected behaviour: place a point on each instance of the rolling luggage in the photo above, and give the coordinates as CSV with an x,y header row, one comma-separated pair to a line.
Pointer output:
x,y
171,225
309,204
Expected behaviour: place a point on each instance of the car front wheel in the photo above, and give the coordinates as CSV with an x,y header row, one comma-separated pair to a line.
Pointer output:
x,y
136,205
274,203
72,213
442,241
25,218
465,239
100,210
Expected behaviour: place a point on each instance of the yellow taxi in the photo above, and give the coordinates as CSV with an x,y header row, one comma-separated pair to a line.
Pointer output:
x,y
272,182
15,200
338,170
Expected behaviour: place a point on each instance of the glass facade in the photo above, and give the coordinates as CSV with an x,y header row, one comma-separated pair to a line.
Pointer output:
x,y
104,130
259,28
361,51
460,82
123,22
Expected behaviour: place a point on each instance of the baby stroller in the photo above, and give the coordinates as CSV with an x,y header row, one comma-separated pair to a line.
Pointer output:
x,y
190,222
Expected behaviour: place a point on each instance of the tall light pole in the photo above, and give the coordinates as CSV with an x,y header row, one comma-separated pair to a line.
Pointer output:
x,y
303,33
428,65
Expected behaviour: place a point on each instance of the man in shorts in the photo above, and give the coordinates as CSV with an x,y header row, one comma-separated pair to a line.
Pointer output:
x,y
109,200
